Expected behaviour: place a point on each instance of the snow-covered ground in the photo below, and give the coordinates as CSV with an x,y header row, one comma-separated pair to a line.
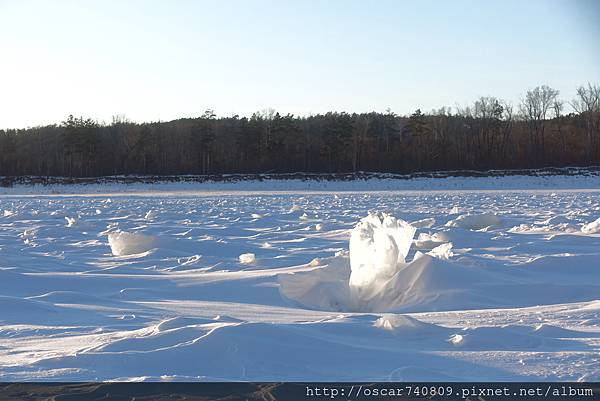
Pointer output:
x,y
588,178
494,285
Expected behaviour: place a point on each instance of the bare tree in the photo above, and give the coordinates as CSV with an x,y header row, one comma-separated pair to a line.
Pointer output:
x,y
534,109
506,130
587,103
487,111
558,107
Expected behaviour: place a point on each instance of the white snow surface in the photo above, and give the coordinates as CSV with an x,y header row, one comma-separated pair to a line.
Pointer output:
x,y
125,294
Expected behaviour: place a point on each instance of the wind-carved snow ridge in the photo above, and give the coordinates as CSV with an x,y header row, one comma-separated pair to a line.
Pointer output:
x,y
379,245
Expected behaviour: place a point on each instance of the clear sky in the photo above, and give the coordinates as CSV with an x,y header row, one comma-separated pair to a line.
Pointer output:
x,y
161,60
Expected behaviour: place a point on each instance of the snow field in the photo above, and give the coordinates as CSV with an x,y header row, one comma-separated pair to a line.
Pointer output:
x,y
393,286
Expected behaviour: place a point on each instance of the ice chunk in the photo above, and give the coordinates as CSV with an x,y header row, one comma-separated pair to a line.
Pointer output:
x,y
592,227
430,241
456,339
71,221
443,251
379,245
318,227
247,258
424,223
124,243
315,262
475,221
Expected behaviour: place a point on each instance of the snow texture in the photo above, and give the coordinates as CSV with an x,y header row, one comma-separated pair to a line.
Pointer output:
x,y
149,285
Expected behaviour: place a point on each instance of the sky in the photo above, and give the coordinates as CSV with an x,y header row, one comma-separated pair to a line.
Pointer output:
x,y
162,60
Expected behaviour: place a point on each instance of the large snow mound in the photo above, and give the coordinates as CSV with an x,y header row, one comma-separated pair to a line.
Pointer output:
x,y
124,243
375,276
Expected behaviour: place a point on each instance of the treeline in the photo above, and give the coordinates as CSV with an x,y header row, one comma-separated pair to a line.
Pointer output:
x,y
489,134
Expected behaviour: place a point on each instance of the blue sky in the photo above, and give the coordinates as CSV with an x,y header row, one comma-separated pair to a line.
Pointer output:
x,y
160,60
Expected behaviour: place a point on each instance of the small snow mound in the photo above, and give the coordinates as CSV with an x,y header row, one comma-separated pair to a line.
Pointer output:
x,y
71,221
475,221
247,258
454,210
124,243
592,227
8,213
456,339
395,321
315,262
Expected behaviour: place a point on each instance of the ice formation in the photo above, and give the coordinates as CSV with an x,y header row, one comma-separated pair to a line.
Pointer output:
x,y
247,258
475,221
430,241
124,243
592,227
71,221
443,251
379,245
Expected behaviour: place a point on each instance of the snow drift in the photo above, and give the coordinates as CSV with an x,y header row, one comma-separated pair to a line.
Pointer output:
x,y
375,277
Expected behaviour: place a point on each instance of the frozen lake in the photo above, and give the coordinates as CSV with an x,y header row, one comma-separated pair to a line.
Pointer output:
x,y
516,297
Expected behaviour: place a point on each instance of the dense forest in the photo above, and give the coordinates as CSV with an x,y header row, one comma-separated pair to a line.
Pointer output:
x,y
489,134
